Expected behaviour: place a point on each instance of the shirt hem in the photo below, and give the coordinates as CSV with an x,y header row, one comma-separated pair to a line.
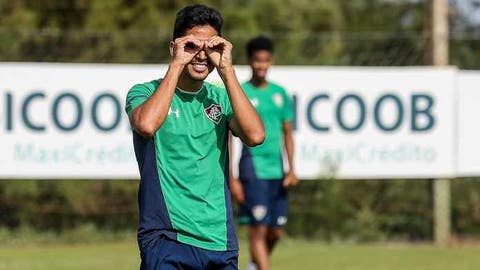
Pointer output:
x,y
203,245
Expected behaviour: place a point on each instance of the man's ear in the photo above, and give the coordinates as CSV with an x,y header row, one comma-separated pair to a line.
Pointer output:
x,y
171,47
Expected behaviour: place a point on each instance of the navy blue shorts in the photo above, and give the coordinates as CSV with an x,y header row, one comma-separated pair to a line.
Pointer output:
x,y
168,254
266,202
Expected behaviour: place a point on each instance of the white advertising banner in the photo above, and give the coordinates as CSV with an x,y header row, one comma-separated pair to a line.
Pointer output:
x,y
372,122
68,120
468,123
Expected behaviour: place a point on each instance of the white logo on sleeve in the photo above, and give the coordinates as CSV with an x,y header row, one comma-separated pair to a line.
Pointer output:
x,y
254,102
176,112
259,212
278,100
214,113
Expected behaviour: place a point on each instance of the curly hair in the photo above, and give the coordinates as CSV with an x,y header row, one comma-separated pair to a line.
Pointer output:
x,y
196,15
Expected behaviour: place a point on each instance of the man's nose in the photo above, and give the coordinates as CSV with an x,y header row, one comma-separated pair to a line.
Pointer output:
x,y
201,55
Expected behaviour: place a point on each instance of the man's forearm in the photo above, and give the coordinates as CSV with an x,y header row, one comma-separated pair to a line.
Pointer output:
x,y
150,116
289,147
289,150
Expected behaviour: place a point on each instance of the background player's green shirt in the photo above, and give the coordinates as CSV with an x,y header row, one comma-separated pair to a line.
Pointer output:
x,y
274,107
191,161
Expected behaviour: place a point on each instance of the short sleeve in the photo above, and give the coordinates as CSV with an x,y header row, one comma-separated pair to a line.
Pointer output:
x,y
138,94
287,114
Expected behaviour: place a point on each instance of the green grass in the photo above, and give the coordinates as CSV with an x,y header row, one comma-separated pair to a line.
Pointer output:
x,y
290,254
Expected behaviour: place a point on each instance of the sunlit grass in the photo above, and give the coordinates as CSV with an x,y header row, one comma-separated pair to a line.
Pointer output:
x,y
290,254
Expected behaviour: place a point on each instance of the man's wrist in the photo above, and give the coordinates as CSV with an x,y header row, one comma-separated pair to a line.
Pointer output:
x,y
226,71
176,65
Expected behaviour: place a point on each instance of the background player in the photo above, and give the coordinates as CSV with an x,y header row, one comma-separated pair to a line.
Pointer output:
x,y
261,189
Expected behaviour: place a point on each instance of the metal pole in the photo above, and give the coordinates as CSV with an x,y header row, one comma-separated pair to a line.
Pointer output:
x,y
441,204
438,33
438,56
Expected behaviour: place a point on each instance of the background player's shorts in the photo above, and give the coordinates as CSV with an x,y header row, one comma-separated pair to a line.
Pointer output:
x,y
168,254
266,202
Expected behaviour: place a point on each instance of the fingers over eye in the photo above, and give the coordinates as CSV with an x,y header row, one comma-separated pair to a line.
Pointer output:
x,y
215,41
191,45
189,41
194,43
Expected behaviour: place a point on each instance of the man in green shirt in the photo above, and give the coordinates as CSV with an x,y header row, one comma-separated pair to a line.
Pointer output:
x,y
261,189
180,127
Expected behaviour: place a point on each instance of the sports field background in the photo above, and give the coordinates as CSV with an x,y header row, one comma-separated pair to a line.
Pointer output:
x,y
291,254
91,250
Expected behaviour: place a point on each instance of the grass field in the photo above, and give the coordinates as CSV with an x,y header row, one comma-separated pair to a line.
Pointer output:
x,y
289,255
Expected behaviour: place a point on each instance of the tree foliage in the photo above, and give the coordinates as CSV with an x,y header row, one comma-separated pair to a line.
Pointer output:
x,y
306,32
328,210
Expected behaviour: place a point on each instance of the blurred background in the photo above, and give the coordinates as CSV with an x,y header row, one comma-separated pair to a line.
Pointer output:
x,y
343,32
376,223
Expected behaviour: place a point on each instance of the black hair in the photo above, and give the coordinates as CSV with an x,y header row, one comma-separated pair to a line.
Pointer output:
x,y
258,44
196,15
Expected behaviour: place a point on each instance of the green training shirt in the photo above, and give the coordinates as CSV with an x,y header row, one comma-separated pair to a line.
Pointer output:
x,y
274,107
185,194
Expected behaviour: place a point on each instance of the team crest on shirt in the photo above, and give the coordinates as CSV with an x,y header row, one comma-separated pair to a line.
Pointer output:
x,y
278,100
214,113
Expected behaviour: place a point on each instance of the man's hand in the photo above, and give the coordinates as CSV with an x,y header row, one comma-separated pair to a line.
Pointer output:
x,y
219,51
185,48
290,180
237,190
